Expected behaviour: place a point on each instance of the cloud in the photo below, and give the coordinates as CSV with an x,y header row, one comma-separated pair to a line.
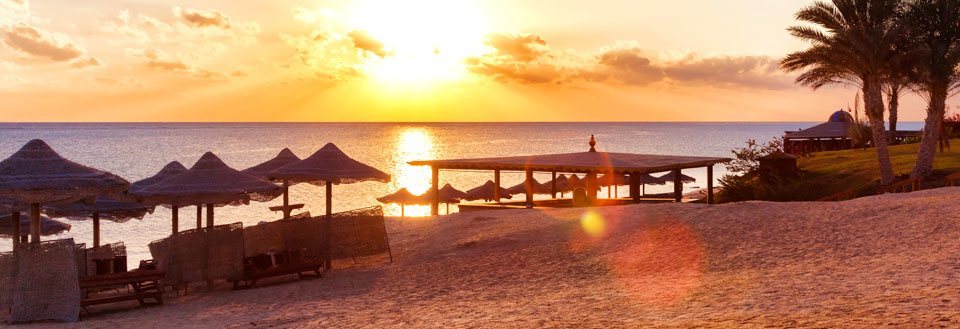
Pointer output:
x,y
159,60
363,41
624,65
520,47
742,71
85,63
202,18
20,6
38,43
310,16
519,58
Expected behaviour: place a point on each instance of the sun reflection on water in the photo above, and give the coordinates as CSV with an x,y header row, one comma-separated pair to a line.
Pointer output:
x,y
412,144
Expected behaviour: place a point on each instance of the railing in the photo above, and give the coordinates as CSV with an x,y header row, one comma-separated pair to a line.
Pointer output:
x,y
842,196
905,186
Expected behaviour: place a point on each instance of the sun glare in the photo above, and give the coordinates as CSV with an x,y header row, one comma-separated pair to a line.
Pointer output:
x,y
426,41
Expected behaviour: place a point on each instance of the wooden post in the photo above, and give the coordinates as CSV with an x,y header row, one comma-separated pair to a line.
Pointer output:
x,y
15,220
528,187
209,215
35,222
496,187
328,227
448,208
435,186
96,230
677,186
402,211
710,184
286,199
635,187
591,184
609,192
175,220
553,184
199,216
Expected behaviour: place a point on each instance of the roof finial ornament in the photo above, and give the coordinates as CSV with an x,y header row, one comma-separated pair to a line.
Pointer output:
x,y
593,143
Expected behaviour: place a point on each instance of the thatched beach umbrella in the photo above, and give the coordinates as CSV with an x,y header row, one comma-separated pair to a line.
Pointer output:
x,y
210,182
171,169
37,174
485,192
561,181
647,179
329,166
669,177
522,188
47,225
103,207
263,170
403,197
449,194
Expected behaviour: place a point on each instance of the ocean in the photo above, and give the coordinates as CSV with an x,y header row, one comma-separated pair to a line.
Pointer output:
x,y
138,150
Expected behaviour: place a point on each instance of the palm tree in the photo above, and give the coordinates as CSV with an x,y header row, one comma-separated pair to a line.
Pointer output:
x,y
934,28
853,44
894,88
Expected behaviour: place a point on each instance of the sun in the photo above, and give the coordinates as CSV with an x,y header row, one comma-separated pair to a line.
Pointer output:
x,y
426,41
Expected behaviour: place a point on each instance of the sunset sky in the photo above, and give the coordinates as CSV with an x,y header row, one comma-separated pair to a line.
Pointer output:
x,y
414,60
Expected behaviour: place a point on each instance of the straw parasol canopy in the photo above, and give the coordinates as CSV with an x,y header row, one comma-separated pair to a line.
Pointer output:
x,y
171,169
329,166
36,174
47,226
485,192
103,207
210,182
263,170
521,188
573,183
404,197
449,194
669,177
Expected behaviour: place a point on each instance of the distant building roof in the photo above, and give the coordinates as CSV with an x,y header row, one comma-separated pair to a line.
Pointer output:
x,y
841,116
833,129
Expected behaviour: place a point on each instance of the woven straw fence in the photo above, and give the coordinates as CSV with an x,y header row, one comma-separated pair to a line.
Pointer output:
x,y
39,282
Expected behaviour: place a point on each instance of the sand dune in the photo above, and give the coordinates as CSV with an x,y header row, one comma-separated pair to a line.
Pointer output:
x,y
886,260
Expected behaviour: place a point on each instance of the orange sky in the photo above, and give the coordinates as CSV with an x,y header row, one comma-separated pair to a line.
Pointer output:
x,y
413,60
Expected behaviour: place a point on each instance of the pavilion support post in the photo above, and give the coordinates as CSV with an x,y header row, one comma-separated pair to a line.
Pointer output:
x,y
496,183
435,186
528,187
175,220
710,184
35,222
635,187
209,215
591,184
616,191
677,186
553,184
96,230
199,216
610,192
286,199
15,221
329,198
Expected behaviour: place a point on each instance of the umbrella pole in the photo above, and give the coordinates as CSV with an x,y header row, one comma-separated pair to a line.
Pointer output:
x,y
448,209
175,215
35,222
286,199
15,219
402,211
96,230
199,216
209,215
328,225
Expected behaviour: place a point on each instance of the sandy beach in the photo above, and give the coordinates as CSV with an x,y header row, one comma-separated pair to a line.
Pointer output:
x,y
876,261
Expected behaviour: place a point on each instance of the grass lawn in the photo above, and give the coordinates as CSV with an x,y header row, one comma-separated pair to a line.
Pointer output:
x,y
858,169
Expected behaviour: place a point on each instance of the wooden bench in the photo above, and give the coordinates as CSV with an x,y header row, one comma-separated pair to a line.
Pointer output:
x,y
144,283
295,264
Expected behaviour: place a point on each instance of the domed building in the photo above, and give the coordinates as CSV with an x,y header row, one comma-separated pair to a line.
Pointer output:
x,y
828,136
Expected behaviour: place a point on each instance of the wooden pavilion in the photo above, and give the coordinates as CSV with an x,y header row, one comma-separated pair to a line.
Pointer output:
x,y
590,163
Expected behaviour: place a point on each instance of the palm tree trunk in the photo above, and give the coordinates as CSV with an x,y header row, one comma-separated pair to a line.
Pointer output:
x,y
931,133
892,107
873,104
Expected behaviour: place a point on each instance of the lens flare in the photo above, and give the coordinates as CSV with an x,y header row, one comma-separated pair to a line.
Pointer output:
x,y
593,223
